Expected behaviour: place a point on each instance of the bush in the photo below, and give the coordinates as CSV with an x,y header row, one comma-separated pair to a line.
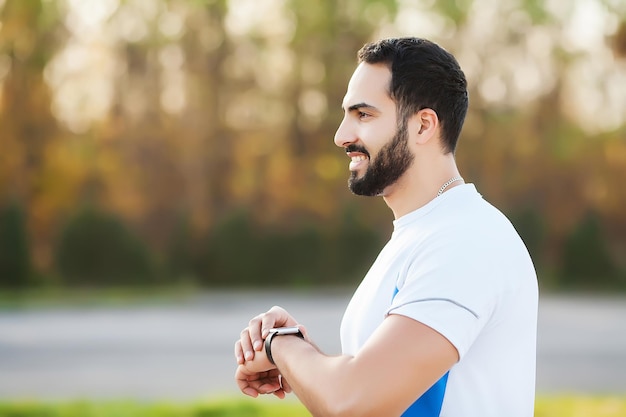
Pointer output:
x,y
531,228
97,249
353,247
180,252
239,252
587,262
15,264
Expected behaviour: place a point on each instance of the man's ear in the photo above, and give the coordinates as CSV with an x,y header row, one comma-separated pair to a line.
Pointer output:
x,y
426,124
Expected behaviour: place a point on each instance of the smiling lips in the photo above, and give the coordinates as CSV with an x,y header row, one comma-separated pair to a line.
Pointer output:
x,y
356,160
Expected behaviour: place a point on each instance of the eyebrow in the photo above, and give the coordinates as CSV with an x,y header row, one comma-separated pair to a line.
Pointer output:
x,y
361,106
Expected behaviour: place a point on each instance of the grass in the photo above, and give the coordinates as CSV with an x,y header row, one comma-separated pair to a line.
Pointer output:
x,y
546,406
581,406
218,408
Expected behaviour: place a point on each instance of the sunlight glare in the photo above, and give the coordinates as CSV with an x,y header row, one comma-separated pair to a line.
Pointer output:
x,y
130,26
585,29
80,77
89,15
267,18
172,25
173,98
493,89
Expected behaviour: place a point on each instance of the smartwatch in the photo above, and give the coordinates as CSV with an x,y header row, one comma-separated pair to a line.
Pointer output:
x,y
279,331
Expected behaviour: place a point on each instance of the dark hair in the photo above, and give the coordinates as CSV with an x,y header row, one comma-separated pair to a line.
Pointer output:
x,y
423,75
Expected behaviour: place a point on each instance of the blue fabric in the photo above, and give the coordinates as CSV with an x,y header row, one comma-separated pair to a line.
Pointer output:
x,y
430,403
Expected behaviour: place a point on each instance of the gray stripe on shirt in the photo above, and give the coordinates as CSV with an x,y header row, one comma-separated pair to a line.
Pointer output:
x,y
436,299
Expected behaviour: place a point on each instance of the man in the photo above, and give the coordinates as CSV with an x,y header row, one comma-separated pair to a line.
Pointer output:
x,y
444,322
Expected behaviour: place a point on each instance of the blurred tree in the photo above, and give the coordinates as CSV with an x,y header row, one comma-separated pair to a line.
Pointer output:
x,y
587,262
151,109
96,249
30,33
531,228
182,253
15,267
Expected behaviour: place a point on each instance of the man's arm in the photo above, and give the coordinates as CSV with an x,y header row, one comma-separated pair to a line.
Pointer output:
x,y
401,360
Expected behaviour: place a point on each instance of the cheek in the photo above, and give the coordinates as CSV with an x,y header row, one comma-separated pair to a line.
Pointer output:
x,y
376,139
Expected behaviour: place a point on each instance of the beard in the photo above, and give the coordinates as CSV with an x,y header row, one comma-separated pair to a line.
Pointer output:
x,y
386,168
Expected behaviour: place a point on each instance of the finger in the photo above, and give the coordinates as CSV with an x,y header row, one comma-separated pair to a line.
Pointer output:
x,y
268,382
254,330
269,322
244,384
246,344
267,387
276,317
250,392
255,384
239,352
280,394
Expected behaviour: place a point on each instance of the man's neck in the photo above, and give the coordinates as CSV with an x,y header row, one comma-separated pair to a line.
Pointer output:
x,y
420,185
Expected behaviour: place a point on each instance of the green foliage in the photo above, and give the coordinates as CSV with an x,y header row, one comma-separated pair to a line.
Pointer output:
x,y
97,249
240,252
257,117
456,10
536,10
224,408
180,251
353,246
603,406
15,267
531,228
587,262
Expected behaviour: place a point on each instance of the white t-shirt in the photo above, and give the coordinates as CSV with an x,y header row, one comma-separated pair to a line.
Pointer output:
x,y
458,266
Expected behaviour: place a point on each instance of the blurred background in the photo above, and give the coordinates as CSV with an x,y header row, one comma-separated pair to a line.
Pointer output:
x,y
190,142
189,145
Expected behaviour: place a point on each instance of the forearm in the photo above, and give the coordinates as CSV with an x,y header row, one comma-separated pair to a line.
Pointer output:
x,y
326,385
374,382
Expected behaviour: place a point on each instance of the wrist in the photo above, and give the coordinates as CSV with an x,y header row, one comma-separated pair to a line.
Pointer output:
x,y
279,333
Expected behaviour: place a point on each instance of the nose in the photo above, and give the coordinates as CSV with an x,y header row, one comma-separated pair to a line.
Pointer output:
x,y
345,134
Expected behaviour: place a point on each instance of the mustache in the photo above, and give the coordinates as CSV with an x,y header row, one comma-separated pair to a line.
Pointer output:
x,y
357,148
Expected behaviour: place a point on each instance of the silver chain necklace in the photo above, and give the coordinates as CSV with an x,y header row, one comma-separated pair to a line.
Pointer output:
x,y
447,183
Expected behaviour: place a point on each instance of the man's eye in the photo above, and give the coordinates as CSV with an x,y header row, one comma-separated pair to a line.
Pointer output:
x,y
363,115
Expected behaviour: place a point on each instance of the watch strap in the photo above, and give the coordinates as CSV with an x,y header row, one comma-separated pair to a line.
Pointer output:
x,y
280,331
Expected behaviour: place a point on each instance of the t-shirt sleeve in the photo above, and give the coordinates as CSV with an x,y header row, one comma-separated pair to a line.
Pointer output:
x,y
450,294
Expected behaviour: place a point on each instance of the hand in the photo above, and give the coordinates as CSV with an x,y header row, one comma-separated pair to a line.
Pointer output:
x,y
259,376
255,383
252,337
